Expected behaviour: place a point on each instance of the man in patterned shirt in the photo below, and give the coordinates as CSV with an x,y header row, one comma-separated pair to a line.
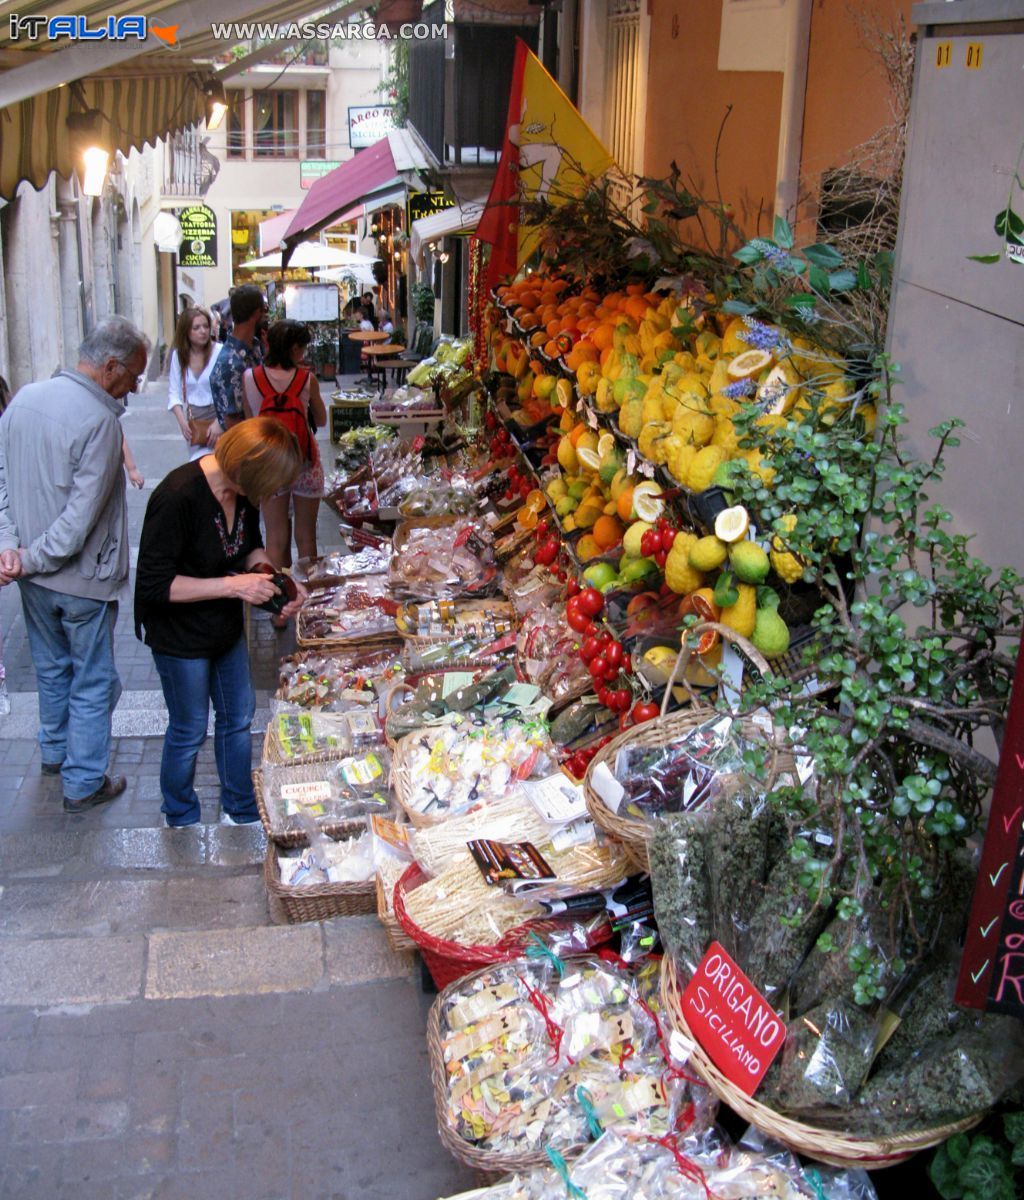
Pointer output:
x,y
242,350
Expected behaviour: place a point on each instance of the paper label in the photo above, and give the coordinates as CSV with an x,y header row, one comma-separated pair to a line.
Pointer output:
x,y
453,681
607,786
556,799
736,1027
315,792
521,695
389,831
576,833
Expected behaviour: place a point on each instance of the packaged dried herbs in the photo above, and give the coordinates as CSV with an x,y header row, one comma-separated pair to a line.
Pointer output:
x,y
679,877
825,1058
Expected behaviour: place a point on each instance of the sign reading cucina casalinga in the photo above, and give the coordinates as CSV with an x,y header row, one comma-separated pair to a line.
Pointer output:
x,y
198,237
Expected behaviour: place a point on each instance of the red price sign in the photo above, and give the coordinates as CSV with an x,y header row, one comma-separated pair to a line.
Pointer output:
x,y
735,1025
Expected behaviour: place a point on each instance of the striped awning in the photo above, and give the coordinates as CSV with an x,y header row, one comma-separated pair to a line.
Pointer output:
x,y
34,137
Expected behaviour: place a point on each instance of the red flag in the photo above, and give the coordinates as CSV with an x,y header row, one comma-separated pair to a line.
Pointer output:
x,y
499,224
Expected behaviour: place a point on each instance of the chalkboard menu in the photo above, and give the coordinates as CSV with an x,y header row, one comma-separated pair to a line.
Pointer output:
x,y
992,969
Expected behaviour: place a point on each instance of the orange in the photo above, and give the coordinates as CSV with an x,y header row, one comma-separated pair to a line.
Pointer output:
x,y
587,548
576,433
625,503
607,532
526,517
535,500
636,307
603,335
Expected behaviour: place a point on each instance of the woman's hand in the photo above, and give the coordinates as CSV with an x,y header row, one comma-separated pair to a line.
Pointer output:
x,y
186,433
253,588
213,434
293,606
138,480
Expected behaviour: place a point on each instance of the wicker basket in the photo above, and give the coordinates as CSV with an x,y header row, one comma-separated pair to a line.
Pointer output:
x,y
295,837
631,831
825,1145
488,1163
450,961
318,902
403,785
398,939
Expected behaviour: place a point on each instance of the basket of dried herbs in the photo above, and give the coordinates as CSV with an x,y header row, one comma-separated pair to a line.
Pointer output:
x,y
877,1061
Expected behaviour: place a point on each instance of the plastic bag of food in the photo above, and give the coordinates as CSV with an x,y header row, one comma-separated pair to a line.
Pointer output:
x,y
680,881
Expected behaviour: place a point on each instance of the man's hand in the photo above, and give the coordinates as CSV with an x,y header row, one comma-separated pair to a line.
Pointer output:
x,y
10,566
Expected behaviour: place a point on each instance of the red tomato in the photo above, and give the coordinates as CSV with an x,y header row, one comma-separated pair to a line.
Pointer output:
x,y
622,698
598,665
543,528
604,696
591,601
645,710
668,536
613,653
661,557
577,620
572,588
589,649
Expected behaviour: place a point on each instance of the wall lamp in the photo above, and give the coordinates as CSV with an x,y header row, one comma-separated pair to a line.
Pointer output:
x,y
89,141
216,103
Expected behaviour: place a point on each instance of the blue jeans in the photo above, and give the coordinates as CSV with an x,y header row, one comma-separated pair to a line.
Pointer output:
x,y
190,684
72,645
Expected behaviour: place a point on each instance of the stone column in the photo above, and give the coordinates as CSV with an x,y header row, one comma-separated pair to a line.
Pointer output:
x,y
69,256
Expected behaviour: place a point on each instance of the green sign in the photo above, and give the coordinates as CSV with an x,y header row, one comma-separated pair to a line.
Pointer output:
x,y
198,237
425,204
312,169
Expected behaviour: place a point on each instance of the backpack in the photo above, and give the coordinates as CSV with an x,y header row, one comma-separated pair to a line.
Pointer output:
x,y
287,407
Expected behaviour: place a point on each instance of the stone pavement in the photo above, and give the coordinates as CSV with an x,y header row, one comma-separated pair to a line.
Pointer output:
x,y
159,1037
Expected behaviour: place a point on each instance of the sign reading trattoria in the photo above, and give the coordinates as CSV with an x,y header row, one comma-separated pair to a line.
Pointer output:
x,y
198,237
736,1027
369,123
425,204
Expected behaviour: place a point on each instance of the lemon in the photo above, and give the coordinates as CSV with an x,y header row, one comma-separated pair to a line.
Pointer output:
x,y
683,460
770,634
749,562
564,393
659,661
633,536
708,554
567,459
732,523
749,364
588,458
647,502
703,468
605,443
742,616
788,566
679,575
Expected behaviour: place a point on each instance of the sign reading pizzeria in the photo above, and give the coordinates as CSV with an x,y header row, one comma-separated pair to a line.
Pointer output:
x,y
198,237
368,124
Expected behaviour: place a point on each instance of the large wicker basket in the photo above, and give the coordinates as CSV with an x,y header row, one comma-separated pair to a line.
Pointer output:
x,y
450,961
825,1145
295,837
633,832
398,939
318,902
488,1163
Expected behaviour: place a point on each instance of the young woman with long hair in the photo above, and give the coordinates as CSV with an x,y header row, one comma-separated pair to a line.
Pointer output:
x,y
191,362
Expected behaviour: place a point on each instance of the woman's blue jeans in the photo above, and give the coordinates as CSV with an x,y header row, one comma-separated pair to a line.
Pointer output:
x,y
190,685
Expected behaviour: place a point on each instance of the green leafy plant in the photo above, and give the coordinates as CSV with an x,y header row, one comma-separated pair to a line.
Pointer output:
x,y
983,1166
394,88
423,301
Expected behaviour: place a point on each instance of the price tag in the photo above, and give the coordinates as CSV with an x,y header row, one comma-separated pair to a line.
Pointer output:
x,y
630,462
944,54
973,58
591,418
647,469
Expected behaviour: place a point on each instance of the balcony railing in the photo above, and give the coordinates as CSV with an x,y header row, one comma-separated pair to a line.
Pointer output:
x,y
189,168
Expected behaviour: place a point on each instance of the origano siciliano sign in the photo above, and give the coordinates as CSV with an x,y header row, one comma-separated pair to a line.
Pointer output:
x,y
198,237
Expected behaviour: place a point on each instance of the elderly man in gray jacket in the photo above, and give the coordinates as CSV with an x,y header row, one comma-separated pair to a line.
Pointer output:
x,y
63,537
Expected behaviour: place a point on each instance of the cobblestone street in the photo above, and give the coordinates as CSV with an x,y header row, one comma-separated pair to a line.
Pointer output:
x,y
159,1037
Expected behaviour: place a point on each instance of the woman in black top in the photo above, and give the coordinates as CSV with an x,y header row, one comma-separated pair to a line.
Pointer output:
x,y
200,546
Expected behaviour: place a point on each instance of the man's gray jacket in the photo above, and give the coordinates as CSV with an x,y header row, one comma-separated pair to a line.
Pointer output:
x,y
62,490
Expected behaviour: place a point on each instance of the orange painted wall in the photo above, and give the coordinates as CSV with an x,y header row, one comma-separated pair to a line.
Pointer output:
x,y
688,96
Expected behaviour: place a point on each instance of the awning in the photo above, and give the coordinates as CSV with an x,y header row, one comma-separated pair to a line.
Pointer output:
x,y
361,180
460,218
272,230
34,137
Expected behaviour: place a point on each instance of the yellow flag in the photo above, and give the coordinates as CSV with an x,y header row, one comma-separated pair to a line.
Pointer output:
x,y
559,154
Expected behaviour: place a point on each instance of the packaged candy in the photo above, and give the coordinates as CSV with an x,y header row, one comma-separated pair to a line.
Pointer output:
x,y
443,559
339,681
348,612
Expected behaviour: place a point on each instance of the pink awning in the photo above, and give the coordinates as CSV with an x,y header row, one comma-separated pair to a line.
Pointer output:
x,y
334,197
273,229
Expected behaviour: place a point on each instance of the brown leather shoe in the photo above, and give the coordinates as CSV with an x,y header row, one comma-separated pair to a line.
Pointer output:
x,y
109,789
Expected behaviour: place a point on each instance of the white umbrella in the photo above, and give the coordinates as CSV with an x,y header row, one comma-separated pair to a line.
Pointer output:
x,y
361,274
309,255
